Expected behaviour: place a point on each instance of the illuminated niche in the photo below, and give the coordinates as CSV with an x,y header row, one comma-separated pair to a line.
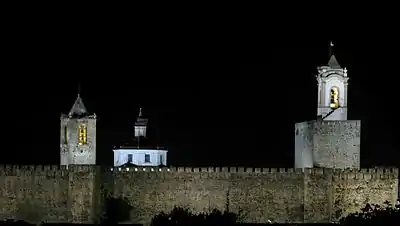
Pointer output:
x,y
334,103
82,134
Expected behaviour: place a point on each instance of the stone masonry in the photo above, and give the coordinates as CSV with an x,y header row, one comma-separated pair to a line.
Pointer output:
x,y
76,194
328,144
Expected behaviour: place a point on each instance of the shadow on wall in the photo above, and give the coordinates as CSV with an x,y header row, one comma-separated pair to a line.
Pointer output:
x,y
117,209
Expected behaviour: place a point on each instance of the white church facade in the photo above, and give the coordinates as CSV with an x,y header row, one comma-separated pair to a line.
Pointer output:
x,y
140,152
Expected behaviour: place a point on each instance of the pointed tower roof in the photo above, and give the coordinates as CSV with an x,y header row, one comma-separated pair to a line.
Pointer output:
x,y
332,63
78,109
141,121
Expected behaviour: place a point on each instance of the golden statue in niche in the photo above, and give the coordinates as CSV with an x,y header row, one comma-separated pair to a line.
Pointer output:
x,y
82,134
334,103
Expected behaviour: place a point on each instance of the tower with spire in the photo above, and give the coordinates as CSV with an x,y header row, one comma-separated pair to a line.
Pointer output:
x,y
332,89
78,136
140,151
330,141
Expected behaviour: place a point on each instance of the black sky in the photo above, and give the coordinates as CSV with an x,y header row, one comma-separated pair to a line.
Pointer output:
x,y
207,107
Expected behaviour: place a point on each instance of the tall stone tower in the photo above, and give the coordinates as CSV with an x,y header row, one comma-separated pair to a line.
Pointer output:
x,y
330,141
78,136
332,90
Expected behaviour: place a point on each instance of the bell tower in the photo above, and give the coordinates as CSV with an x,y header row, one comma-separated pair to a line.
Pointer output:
x,y
332,90
141,125
78,136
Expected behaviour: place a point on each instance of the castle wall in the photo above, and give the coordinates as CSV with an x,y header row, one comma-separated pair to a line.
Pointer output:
x,y
47,193
303,142
337,144
353,189
317,195
76,194
257,194
282,195
83,193
34,193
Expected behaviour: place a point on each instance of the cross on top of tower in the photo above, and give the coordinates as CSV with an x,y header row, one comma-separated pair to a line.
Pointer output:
x,y
332,61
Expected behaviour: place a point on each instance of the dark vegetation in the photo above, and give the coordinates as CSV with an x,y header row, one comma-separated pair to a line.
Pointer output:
x,y
373,214
181,216
118,210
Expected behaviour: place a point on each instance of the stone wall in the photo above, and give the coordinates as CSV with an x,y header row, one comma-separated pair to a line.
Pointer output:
x,y
336,144
353,189
77,194
303,142
48,193
258,195
283,195
328,144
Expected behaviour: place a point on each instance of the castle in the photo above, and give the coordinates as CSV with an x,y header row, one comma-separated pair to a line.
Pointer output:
x,y
325,184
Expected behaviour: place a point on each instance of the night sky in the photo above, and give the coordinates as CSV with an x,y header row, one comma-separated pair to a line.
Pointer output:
x,y
206,109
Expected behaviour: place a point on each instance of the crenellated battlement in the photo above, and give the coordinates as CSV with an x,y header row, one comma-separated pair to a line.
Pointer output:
x,y
367,173
339,174
207,169
17,170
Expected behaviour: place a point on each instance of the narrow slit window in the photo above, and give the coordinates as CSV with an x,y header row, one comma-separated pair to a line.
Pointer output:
x,y
65,131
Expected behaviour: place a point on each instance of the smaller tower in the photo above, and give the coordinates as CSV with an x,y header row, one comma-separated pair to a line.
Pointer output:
x,y
140,151
140,126
78,136
332,90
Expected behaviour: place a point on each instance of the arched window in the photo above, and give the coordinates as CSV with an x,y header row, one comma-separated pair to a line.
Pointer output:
x,y
82,134
334,103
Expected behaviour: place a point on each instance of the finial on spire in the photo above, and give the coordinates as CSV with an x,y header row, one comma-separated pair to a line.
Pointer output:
x,y
330,48
79,89
140,112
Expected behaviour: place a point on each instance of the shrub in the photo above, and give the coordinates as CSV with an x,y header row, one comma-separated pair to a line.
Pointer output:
x,y
181,216
374,214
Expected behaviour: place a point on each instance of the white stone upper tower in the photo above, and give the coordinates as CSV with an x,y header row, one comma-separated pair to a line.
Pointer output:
x,y
332,90
334,141
78,136
140,151
140,126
